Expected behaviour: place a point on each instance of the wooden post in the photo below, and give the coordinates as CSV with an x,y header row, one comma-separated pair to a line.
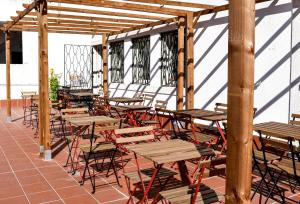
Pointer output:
x,y
104,62
240,100
190,61
8,97
180,68
44,124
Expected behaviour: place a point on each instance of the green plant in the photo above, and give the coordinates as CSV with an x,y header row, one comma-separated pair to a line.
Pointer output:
x,y
54,84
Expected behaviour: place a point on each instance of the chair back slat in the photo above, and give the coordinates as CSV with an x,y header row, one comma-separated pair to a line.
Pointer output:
x,y
148,99
133,130
74,110
123,140
161,104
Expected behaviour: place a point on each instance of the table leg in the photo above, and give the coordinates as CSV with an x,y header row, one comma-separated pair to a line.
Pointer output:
x,y
222,135
183,171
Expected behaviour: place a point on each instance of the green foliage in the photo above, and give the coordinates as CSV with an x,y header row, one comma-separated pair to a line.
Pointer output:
x,y
54,84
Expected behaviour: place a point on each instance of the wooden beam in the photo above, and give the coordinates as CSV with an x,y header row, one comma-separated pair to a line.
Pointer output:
x,y
219,8
157,23
91,18
176,3
66,25
240,101
22,14
125,6
180,66
80,22
104,64
99,12
58,28
7,56
58,31
190,61
44,128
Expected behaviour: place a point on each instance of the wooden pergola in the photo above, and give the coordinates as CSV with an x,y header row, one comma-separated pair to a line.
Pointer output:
x,y
114,17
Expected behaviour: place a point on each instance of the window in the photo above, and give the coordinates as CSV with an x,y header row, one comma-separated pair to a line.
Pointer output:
x,y
117,62
16,48
141,60
169,58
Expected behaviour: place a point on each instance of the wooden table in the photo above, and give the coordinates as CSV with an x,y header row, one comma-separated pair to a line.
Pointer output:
x,y
208,115
168,152
86,96
279,130
131,112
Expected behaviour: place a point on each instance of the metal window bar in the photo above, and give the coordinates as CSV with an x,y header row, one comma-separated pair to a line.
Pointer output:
x,y
117,62
169,58
141,60
78,66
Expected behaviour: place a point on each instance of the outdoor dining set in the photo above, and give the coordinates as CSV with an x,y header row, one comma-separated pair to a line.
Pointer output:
x,y
184,146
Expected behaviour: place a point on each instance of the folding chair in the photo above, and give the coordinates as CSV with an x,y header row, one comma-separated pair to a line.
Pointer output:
x,y
95,151
184,128
154,119
137,178
195,193
263,160
27,95
70,138
148,99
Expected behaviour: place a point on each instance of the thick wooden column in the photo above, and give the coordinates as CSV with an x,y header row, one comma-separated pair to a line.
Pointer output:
x,y
8,97
190,61
180,66
240,100
44,124
104,62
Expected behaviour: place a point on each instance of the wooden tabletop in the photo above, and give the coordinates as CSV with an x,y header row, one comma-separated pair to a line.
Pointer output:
x,y
280,130
83,94
131,107
125,100
170,151
99,120
204,114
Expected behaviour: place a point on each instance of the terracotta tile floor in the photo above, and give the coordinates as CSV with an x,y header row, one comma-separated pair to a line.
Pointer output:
x,y
26,178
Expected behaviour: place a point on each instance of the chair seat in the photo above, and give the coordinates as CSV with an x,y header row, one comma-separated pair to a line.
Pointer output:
x,y
201,137
183,195
287,166
147,174
269,156
99,147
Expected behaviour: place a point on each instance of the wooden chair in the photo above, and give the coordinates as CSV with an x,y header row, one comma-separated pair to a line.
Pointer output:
x,y
148,99
137,178
295,119
95,151
184,128
195,193
272,152
27,102
68,133
153,119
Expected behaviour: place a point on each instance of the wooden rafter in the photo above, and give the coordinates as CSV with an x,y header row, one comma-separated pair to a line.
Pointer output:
x,y
66,29
176,3
77,22
125,6
75,26
157,23
22,14
58,31
98,12
90,18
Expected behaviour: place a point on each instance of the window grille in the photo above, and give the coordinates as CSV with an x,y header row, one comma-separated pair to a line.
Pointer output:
x,y
117,62
141,60
169,58
78,67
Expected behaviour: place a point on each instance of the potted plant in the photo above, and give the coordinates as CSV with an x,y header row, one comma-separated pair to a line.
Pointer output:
x,y
54,84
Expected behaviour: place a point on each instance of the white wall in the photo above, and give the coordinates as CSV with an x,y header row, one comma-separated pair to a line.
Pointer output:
x,y
272,65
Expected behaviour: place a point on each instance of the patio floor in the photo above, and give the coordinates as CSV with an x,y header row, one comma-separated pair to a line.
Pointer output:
x,y
26,178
